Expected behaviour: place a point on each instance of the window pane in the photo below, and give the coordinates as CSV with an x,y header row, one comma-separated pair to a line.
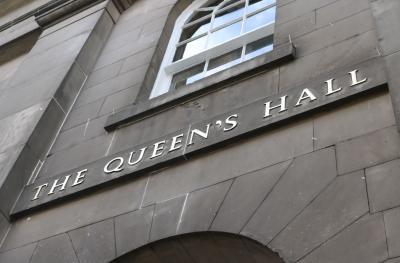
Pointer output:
x,y
224,34
224,61
260,19
258,4
195,30
259,47
192,48
228,15
199,14
187,76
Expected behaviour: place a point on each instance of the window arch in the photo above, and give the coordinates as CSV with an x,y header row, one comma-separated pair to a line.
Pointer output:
x,y
210,36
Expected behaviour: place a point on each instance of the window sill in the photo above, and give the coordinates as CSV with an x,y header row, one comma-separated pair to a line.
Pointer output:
x,y
148,108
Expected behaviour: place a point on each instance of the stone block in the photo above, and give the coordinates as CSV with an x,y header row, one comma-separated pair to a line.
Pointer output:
x,y
339,205
103,74
345,29
394,260
362,116
76,156
364,241
121,82
246,194
137,222
383,183
80,115
295,28
368,150
392,69
18,255
116,101
392,224
91,208
172,252
137,60
386,13
253,154
201,207
94,243
166,218
54,249
78,134
290,10
323,61
339,10
305,179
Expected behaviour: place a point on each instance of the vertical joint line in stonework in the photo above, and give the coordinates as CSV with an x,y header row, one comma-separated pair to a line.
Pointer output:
x,y
35,172
64,120
181,215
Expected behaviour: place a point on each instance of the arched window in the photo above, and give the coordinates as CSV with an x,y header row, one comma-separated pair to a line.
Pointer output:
x,y
210,36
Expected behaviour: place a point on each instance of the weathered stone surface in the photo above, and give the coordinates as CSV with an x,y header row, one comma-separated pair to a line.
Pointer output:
x,y
392,69
92,208
82,114
392,224
324,37
386,13
364,241
339,10
368,150
267,149
395,260
360,117
201,207
172,252
166,218
246,194
305,178
304,69
18,255
383,183
54,249
94,243
339,205
132,230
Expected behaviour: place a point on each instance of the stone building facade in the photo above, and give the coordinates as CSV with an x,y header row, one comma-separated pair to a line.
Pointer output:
x,y
290,156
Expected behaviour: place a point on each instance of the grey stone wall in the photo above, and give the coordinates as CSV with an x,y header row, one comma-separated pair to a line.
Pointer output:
x,y
323,188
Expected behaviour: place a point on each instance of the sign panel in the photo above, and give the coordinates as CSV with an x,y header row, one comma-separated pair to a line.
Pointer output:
x,y
203,135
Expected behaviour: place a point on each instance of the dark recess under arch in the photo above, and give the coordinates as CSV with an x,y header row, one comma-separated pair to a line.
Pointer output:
x,y
204,247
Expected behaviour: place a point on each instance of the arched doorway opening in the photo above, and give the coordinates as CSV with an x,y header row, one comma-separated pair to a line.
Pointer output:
x,y
205,247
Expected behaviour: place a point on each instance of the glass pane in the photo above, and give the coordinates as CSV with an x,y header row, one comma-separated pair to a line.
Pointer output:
x,y
228,15
228,2
255,5
260,19
199,14
195,30
259,47
224,34
225,61
187,76
192,48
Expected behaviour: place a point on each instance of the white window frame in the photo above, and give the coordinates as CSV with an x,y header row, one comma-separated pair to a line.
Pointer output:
x,y
168,67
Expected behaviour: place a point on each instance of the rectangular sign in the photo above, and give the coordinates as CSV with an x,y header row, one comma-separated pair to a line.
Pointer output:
x,y
203,135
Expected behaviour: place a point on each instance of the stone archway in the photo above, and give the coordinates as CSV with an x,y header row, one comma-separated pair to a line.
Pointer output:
x,y
204,247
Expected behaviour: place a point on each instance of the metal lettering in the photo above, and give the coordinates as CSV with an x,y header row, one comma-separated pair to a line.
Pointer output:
x,y
354,80
141,154
80,177
268,107
56,184
158,146
176,142
330,87
231,122
39,188
118,168
200,133
305,94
